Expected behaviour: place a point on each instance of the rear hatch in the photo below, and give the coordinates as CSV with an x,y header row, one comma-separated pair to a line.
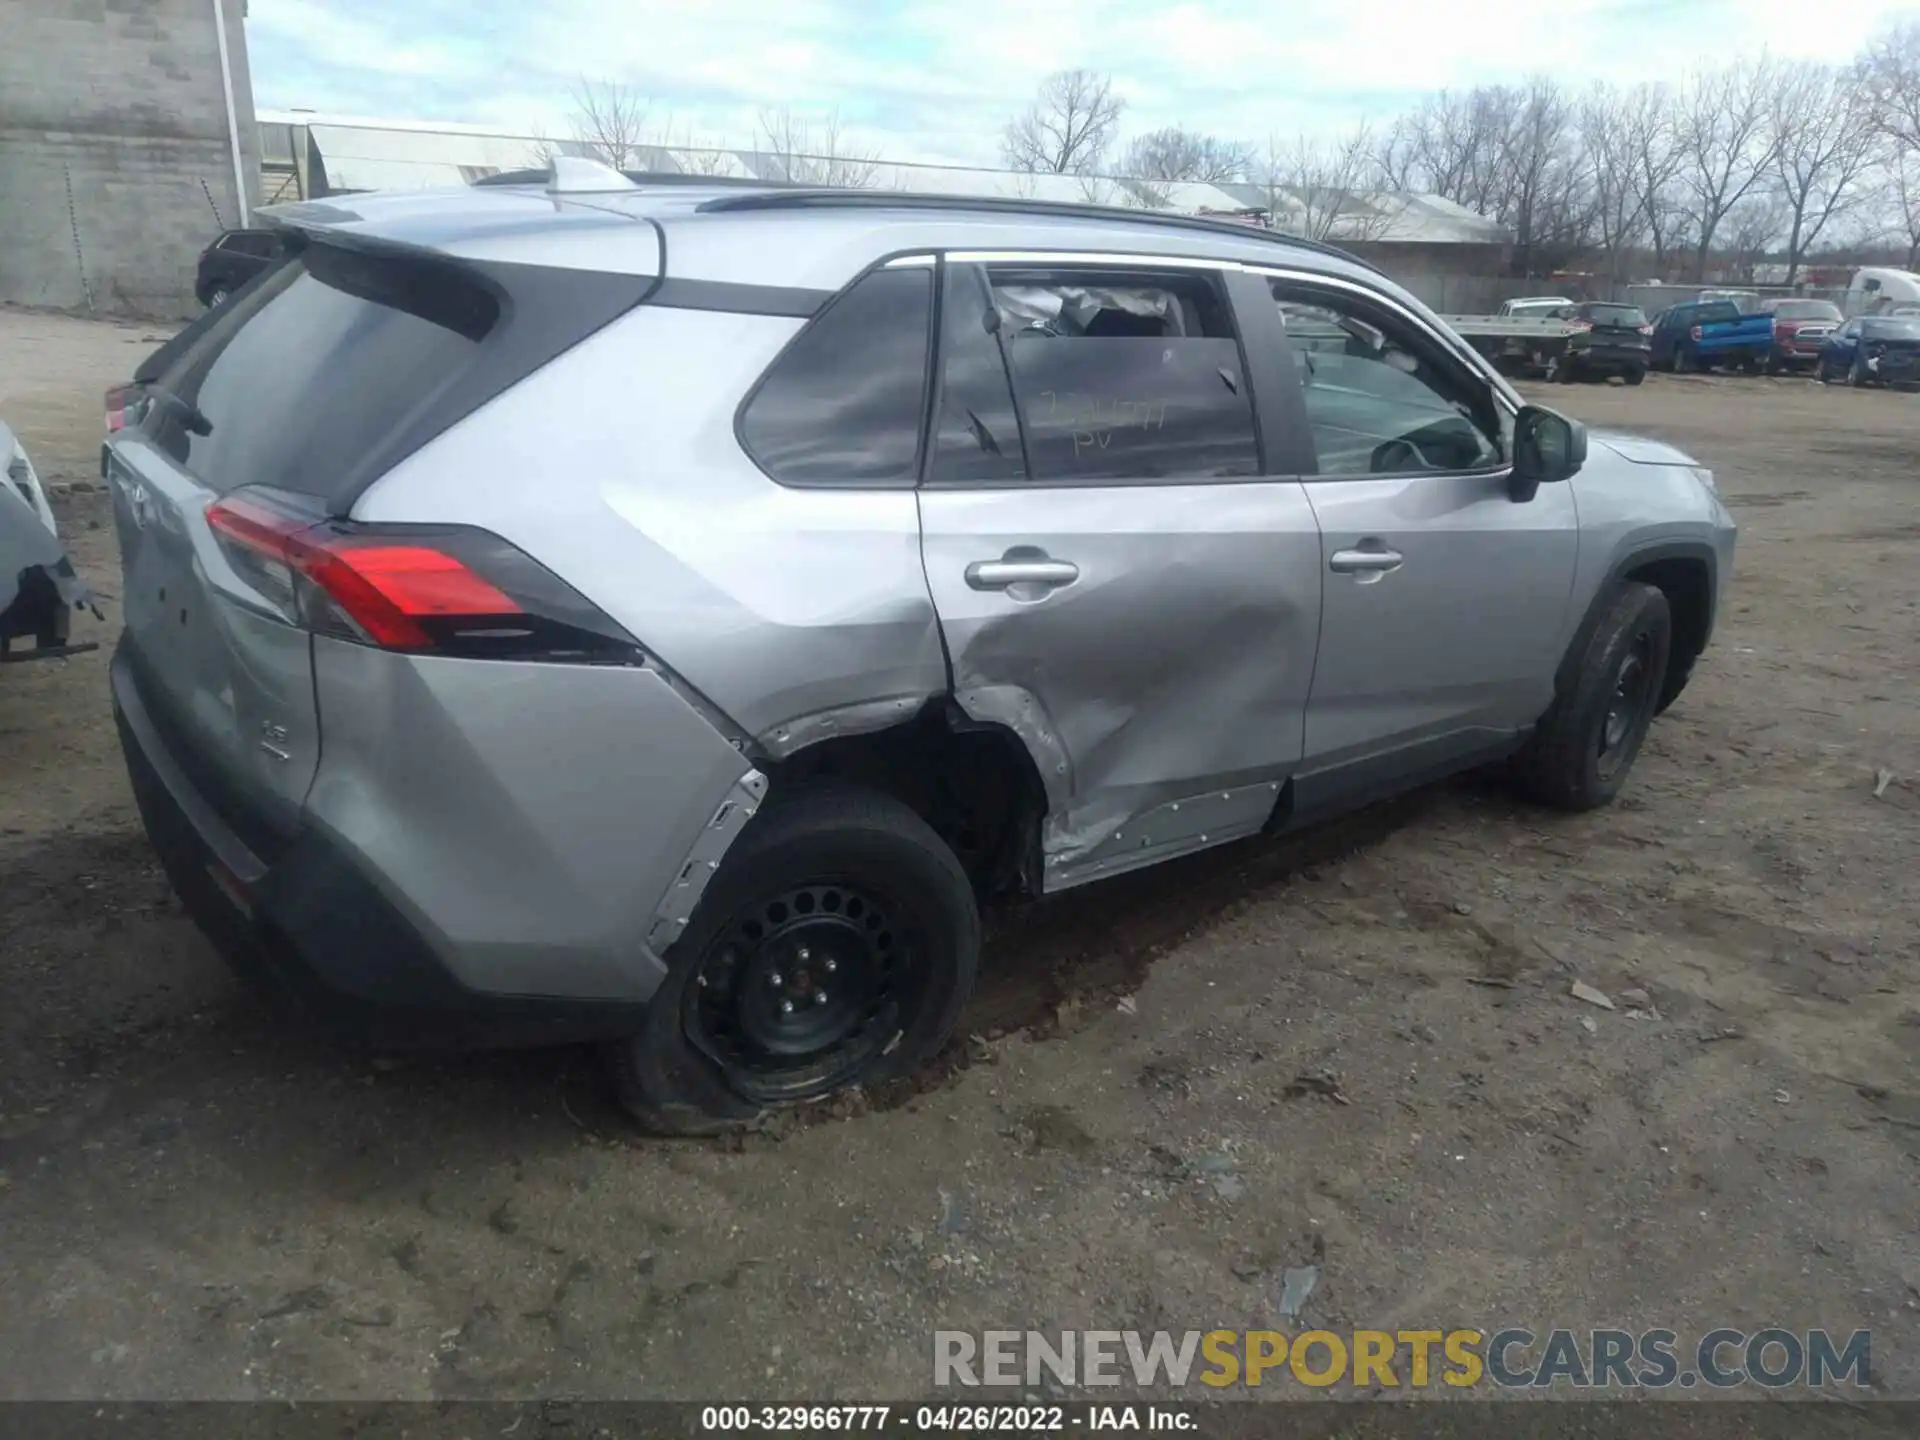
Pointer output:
x,y
1619,326
294,397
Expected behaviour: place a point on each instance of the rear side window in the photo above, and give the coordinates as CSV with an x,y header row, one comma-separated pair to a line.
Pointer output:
x,y
326,360
842,404
1116,377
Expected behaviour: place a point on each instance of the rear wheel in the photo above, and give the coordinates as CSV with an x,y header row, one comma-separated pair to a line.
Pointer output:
x,y
1685,362
835,947
1583,748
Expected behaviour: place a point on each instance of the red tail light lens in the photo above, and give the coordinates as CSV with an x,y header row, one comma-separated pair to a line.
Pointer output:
x,y
1646,329
1581,324
122,407
427,589
1694,333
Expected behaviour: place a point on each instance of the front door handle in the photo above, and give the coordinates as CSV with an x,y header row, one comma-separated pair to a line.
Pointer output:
x,y
1361,562
1005,574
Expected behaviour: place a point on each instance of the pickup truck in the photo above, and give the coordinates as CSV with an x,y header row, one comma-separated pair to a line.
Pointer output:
x,y
1705,333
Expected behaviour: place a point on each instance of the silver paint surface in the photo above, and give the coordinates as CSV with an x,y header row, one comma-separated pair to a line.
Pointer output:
x,y
528,818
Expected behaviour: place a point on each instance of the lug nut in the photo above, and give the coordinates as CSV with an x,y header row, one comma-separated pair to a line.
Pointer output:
x,y
819,997
832,965
776,980
804,955
786,1007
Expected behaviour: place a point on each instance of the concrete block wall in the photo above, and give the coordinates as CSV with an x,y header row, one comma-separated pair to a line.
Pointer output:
x,y
116,166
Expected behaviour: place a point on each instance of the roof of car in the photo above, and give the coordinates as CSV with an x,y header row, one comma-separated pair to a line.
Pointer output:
x,y
783,235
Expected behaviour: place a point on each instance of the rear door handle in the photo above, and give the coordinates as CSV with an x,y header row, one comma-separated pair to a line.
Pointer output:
x,y
1360,562
1004,574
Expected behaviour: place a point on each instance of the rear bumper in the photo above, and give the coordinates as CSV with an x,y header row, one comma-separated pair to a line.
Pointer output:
x,y
316,930
1614,357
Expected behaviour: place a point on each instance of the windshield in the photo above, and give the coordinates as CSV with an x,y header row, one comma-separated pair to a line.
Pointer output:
x,y
1616,315
1806,310
1892,329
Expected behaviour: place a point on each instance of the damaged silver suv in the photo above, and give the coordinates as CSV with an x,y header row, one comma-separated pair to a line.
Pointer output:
x,y
660,613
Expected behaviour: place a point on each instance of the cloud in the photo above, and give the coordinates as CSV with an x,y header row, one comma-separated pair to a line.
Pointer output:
x,y
937,79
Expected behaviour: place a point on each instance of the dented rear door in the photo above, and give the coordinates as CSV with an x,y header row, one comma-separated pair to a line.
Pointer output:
x,y
1119,578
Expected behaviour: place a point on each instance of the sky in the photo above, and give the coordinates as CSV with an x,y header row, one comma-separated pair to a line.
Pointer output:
x,y
937,80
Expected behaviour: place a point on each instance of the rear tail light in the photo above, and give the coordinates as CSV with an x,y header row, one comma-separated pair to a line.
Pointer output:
x,y
1646,329
449,590
1581,324
1694,333
123,407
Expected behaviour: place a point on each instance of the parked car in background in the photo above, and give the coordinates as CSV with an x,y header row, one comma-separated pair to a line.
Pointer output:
x,y
39,588
1800,331
1873,350
1878,289
1614,340
1702,334
711,747
234,258
1538,307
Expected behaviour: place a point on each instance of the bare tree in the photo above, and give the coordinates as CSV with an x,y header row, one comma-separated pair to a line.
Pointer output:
x,y
1068,128
1727,144
1319,189
1097,190
804,152
1825,137
610,122
1651,115
1607,156
1904,181
1179,155
1891,69
1539,179
1752,228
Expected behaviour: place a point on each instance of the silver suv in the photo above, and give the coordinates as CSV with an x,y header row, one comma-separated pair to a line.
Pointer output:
x,y
660,614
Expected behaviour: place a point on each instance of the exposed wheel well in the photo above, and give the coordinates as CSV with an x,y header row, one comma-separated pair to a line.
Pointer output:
x,y
1688,587
974,783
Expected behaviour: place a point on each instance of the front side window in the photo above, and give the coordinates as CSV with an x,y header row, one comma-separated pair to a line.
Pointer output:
x,y
1116,376
842,404
1380,402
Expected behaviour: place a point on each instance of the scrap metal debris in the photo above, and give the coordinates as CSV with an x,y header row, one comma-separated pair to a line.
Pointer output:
x,y
1881,780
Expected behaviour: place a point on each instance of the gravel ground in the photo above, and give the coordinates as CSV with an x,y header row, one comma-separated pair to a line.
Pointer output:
x,y
198,1201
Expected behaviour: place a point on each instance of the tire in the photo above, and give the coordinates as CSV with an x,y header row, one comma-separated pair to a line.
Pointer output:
x,y
853,876
1581,752
1822,373
1634,377
1685,362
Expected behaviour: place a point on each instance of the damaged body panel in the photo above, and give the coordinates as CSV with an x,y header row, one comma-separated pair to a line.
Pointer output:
x,y
1172,670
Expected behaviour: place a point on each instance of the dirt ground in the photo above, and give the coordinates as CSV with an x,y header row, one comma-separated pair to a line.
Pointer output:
x,y
197,1201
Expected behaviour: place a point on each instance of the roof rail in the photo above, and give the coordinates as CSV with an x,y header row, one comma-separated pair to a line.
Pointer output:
x,y
797,199
641,177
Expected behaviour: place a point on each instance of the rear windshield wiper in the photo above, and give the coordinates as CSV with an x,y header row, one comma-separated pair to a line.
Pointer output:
x,y
190,416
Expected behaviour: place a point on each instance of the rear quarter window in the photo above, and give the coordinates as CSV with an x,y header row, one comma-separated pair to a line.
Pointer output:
x,y
842,404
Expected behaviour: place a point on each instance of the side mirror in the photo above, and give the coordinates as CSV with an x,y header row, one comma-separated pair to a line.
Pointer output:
x,y
1547,447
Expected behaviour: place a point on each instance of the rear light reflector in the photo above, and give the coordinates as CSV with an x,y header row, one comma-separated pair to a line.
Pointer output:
x,y
449,590
1646,329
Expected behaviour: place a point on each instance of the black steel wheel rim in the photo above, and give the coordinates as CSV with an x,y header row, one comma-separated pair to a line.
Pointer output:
x,y
1627,705
801,992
